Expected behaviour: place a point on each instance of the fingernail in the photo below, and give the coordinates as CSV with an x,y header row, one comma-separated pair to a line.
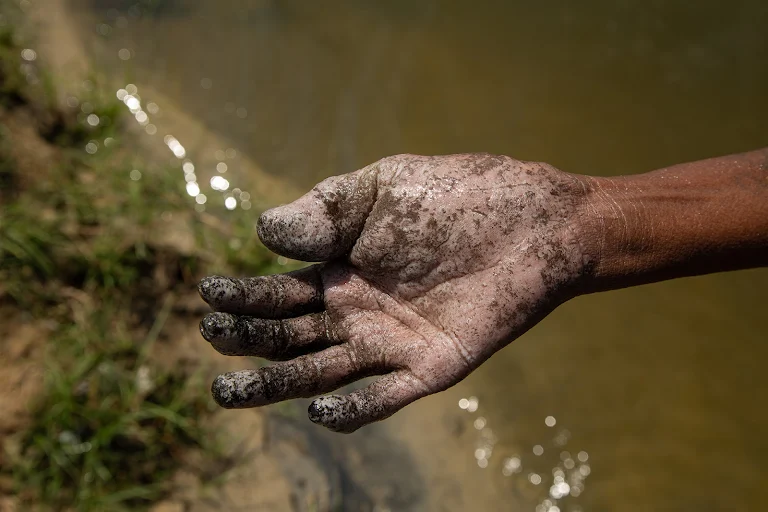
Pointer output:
x,y
218,327
332,412
237,389
218,289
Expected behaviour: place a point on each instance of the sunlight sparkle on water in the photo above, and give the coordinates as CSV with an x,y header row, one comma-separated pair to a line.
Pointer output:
x,y
567,481
132,103
511,465
468,404
560,490
28,54
219,183
129,95
193,189
175,146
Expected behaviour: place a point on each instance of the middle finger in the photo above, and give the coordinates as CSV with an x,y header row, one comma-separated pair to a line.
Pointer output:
x,y
235,335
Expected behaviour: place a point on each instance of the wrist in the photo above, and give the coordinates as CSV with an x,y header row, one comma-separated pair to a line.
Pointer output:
x,y
684,220
615,231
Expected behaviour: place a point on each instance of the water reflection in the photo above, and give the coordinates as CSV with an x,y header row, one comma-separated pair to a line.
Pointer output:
x,y
568,475
129,95
28,65
131,98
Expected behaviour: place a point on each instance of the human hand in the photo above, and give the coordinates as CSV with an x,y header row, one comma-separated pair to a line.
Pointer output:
x,y
431,265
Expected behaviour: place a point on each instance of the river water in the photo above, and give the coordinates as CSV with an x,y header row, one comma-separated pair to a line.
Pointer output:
x,y
651,398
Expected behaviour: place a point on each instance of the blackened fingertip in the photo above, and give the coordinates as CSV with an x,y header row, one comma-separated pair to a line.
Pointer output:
x,y
219,290
222,392
315,412
217,326
332,412
236,390
205,287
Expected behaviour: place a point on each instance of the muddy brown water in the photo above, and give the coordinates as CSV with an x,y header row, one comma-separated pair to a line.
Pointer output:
x,y
657,393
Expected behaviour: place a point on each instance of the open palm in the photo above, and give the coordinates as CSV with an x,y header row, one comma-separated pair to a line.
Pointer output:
x,y
430,265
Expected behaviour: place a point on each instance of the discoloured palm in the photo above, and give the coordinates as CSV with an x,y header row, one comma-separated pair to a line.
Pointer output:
x,y
432,264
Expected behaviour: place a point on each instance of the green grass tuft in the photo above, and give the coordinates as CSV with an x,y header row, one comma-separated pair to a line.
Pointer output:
x,y
112,427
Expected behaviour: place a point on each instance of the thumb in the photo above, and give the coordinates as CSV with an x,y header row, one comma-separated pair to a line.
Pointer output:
x,y
324,223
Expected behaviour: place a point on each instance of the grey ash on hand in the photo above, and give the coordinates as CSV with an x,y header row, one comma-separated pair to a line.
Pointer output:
x,y
431,265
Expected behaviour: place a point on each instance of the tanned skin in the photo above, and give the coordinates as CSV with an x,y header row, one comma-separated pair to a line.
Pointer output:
x,y
430,265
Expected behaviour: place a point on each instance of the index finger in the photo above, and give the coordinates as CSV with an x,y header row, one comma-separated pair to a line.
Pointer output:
x,y
276,296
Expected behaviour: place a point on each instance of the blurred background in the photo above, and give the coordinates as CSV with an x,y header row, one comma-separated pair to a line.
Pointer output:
x,y
140,140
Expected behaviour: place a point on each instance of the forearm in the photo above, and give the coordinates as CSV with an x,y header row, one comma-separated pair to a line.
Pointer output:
x,y
689,219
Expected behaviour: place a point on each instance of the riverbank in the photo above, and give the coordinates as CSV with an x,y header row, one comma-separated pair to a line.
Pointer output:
x,y
104,376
